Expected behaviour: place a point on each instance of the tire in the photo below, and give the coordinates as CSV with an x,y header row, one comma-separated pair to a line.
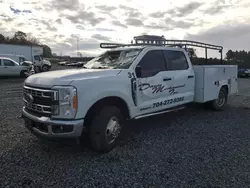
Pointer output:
x,y
221,102
105,124
22,74
45,68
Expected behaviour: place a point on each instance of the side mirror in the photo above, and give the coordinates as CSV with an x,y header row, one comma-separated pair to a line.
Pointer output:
x,y
138,71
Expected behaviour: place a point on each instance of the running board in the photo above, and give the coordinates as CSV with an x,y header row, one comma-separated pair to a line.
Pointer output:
x,y
161,112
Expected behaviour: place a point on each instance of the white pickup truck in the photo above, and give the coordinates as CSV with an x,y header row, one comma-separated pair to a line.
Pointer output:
x,y
9,67
122,83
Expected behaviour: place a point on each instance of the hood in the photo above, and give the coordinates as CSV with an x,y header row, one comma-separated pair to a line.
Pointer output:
x,y
46,62
65,77
26,63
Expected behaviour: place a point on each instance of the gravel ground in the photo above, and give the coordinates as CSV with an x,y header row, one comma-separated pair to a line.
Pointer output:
x,y
189,148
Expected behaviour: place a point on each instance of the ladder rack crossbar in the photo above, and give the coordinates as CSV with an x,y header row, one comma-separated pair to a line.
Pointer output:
x,y
169,43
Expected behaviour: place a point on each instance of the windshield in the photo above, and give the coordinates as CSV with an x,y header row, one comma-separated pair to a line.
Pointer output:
x,y
22,59
116,59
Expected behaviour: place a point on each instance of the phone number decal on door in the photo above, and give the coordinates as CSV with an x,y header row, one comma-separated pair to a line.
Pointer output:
x,y
166,102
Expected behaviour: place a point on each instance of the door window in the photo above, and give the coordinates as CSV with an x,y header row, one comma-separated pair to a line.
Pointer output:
x,y
152,63
21,59
37,57
7,62
176,60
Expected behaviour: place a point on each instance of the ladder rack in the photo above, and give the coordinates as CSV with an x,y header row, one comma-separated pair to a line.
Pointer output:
x,y
178,43
168,43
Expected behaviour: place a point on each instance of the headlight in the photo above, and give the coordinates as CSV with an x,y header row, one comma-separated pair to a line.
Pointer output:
x,y
67,106
48,62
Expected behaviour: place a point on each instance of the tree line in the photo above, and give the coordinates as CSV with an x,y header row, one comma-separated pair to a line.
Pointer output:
x,y
238,55
21,38
241,58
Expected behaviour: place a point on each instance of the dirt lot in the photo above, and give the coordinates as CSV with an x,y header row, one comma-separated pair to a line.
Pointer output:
x,y
189,148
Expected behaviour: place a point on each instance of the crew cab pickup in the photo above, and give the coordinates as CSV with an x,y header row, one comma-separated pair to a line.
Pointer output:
x,y
9,67
125,82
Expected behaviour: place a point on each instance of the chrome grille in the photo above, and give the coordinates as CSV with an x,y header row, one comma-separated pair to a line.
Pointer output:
x,y
38,92
39,100
38,108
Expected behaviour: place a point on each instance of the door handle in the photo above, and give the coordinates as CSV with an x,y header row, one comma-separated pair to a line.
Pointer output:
x,y
166,79
190,76
5,67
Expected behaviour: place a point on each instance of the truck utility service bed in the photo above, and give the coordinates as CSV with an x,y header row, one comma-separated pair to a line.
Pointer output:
x,y
210,78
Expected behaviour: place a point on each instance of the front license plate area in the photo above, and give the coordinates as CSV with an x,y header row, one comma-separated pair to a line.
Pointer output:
x,y
31,124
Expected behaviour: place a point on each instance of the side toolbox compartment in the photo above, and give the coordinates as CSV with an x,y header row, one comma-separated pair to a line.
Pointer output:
x,y
210,78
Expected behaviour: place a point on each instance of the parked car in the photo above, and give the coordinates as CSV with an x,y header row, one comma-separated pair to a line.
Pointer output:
x,y
243,73
72,63
80,64
63,63
9,67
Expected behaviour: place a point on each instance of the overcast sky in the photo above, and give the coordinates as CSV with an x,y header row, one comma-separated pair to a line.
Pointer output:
x,y
57,23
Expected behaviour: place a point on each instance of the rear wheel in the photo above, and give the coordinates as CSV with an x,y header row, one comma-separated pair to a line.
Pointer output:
x,y
221,101
104,132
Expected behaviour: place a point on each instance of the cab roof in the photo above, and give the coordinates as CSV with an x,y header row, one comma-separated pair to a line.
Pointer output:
x,y
146,47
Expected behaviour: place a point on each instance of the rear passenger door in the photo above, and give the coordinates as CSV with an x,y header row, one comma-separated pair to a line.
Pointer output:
x,y
183,75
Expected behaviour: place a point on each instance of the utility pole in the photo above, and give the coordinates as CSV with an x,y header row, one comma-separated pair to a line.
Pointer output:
x,y
77,40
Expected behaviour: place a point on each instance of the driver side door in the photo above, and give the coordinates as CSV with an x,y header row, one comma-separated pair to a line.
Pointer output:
x,y
154,82
11,68
37,60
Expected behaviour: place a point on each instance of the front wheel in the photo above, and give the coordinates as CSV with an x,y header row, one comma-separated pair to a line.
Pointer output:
x,y
23,74
45,68
105,129
221,102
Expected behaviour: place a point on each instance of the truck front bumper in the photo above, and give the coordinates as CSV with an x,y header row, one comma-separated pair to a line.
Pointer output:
x,y
46,127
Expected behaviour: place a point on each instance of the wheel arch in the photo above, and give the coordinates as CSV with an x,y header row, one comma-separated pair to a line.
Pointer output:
x,y
111,100
225,87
